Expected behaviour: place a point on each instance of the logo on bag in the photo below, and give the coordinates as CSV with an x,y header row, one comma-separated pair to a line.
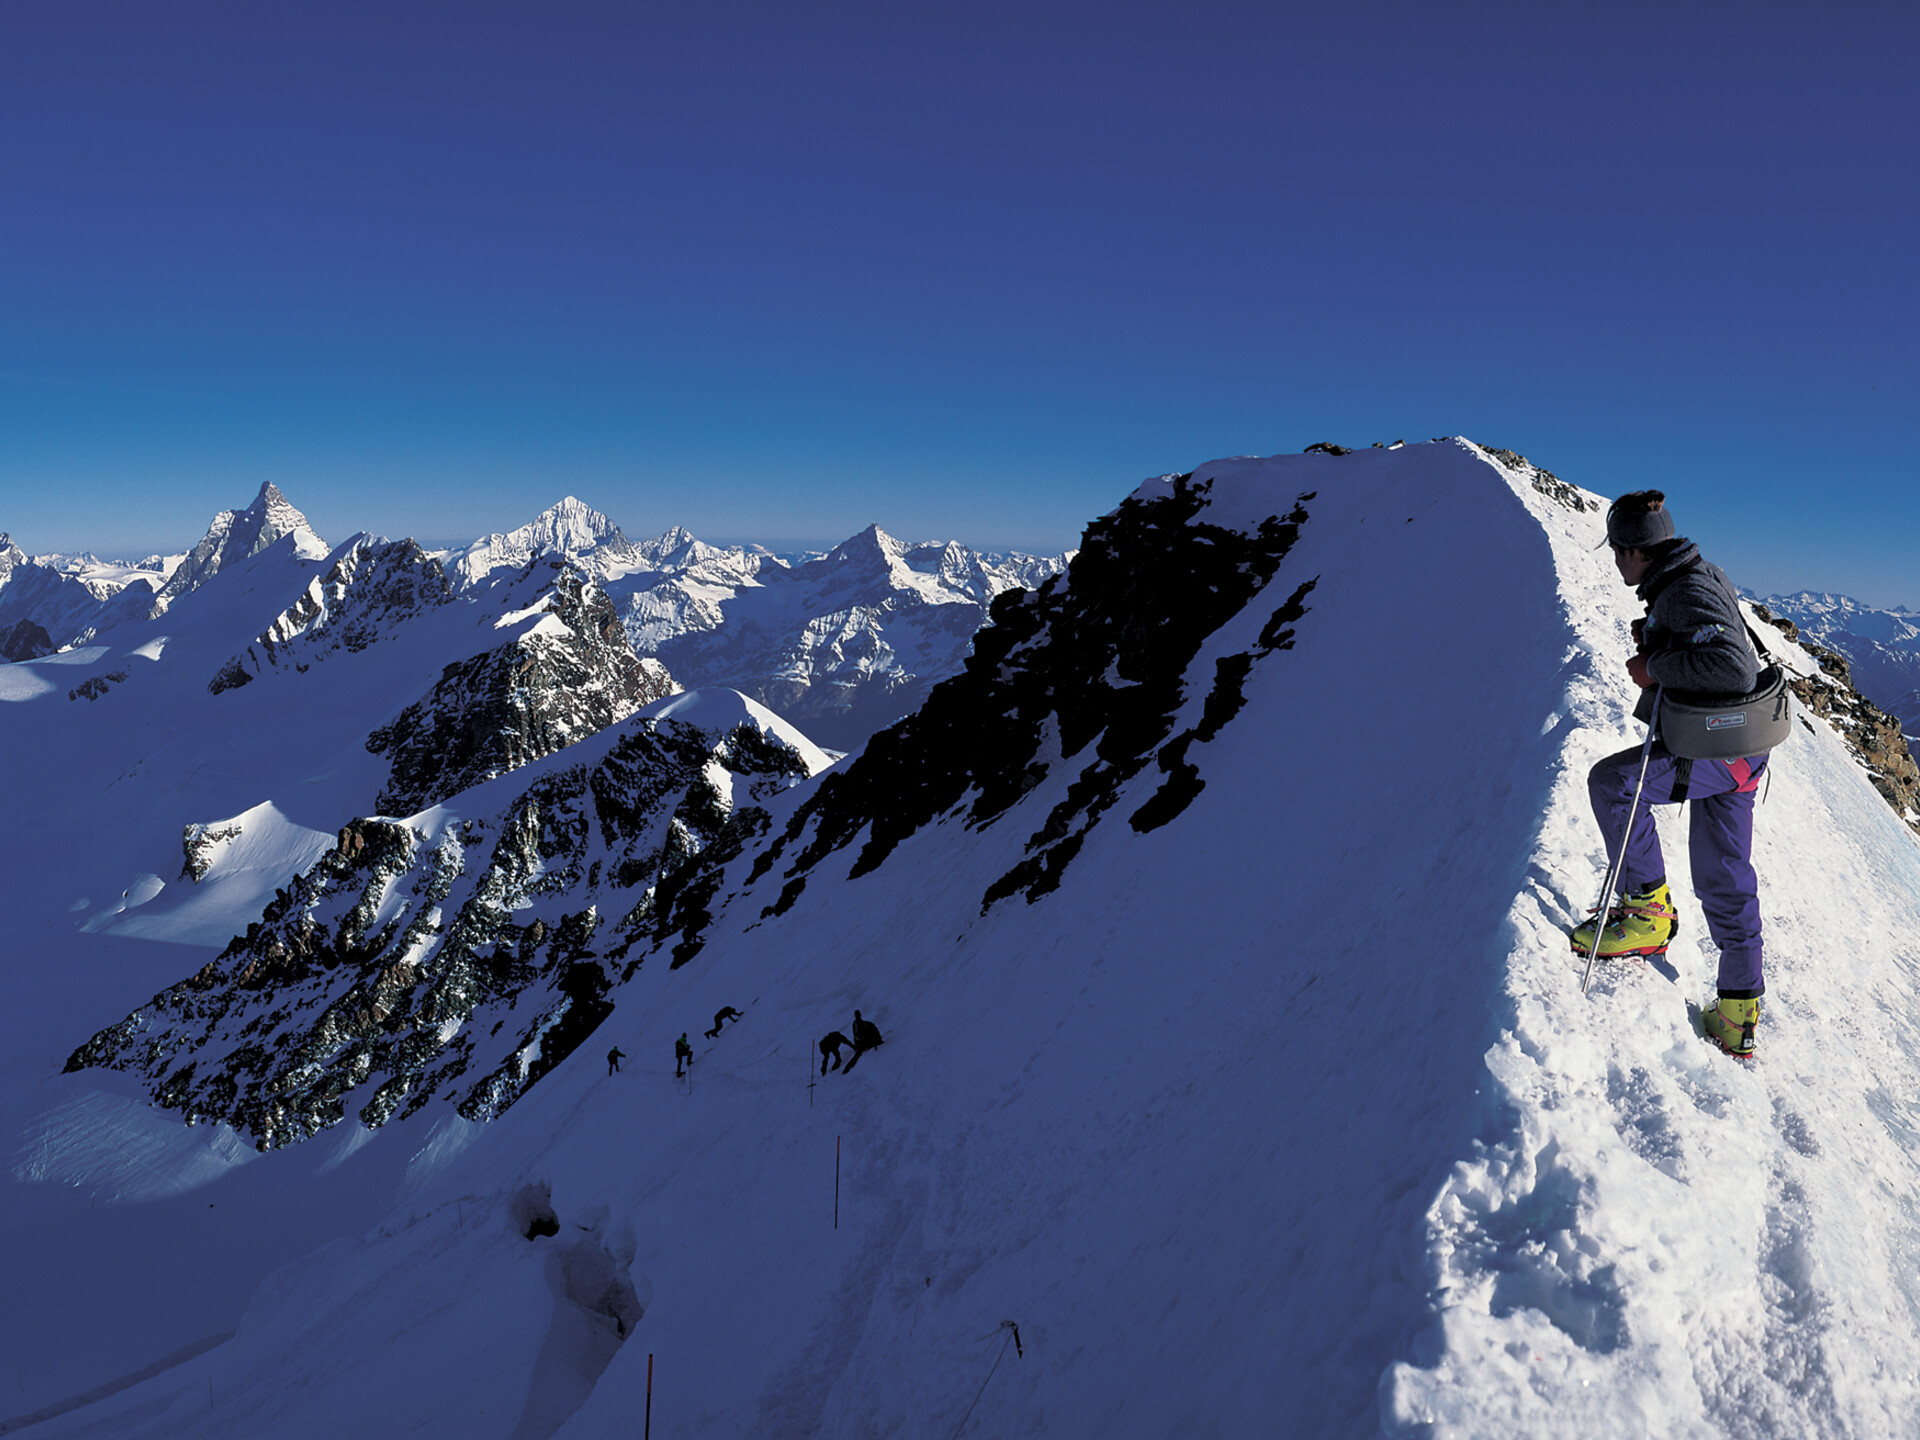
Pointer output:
x,y
1727,722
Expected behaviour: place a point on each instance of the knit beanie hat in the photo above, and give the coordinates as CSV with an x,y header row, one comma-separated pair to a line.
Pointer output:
x,y
1639,520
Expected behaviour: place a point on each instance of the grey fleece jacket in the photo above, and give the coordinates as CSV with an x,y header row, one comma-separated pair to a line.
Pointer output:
x,y
1695,636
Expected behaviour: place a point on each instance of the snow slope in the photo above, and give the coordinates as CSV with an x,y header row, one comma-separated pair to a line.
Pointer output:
x,y
1281,1113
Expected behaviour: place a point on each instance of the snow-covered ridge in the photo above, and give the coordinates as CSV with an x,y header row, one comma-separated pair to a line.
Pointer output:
x,y
369,981
370,588
1220,953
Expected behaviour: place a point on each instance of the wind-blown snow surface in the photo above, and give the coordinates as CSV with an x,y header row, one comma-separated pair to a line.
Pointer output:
x,y
1284,1118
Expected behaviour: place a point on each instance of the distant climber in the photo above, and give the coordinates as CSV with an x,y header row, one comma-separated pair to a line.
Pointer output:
x,y
682,1055
1693,640
830,1047
720,1017
866,1036
614,1057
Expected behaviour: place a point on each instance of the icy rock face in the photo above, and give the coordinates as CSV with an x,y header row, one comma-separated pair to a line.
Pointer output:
x,y
201,844
560,680
233,536
843,645
1088,672
372,587
450,957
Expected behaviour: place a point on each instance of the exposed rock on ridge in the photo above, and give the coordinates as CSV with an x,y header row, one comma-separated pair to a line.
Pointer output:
x,y
1088,671
567,676
24,640
443,956
1872,734
1882,647
372,586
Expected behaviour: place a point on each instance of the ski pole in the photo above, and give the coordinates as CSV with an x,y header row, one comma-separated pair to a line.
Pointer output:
x,y
1619,861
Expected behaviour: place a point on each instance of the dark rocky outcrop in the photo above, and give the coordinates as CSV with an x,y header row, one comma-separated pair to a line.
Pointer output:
x,y
201,845
1871,733
461,964
551,687
1881,646
1089,671
1545,481
372,587
95,686
24,640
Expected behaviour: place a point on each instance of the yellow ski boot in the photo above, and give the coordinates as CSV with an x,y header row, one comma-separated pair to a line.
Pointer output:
x,y
1730,1025
1644,923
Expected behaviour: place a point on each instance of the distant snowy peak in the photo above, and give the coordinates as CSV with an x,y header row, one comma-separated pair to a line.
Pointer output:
x,y
843,643
676,549
67,608
1881,647
572,528
49,602
939,572
1823,613
235,535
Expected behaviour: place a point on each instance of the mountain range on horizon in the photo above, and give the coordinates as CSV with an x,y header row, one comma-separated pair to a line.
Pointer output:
x,y
1881,647
64,600
842,642
1210,891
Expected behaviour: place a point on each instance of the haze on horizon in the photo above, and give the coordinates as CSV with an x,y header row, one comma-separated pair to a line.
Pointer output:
x,y
968,274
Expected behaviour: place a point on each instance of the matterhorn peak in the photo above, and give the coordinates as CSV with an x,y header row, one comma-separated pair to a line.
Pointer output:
x,y
10,556
235,535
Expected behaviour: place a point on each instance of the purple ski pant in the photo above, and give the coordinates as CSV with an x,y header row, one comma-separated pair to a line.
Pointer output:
x,y
1719,844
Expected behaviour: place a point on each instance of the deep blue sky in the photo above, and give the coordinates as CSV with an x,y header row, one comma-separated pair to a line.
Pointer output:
x,y
777,271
